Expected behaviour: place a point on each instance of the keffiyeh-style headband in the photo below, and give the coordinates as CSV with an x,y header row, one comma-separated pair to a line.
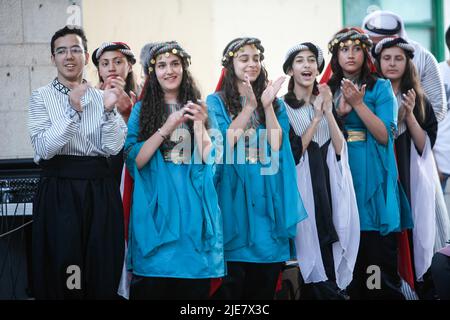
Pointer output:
x,y
233,47
113,46
393,42
292,52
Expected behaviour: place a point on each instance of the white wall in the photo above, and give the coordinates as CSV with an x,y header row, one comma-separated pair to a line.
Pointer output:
x,y
204,27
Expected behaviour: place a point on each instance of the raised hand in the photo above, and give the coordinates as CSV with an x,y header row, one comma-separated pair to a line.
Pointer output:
x,y
114,82
318,107
327,96
196,112
409,101
75,96
344,108
114,96
174,120
271,91
249,95
352,94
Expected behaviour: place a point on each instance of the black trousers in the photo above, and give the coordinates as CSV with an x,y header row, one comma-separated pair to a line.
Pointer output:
x,y
249,281
154,288
440,270
379,253
78,232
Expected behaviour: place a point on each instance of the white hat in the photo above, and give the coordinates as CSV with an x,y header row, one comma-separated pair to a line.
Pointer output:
x,y
384,23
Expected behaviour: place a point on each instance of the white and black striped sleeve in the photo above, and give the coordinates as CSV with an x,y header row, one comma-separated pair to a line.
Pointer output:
x,y
433,85
114,132
47,137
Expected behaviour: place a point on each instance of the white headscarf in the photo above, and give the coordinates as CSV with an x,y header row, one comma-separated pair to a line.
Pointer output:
x,y
384,23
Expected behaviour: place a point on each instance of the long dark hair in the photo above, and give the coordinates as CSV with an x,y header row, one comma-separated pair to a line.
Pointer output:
x,y
153,113
230,92
291,98
410,80
367,76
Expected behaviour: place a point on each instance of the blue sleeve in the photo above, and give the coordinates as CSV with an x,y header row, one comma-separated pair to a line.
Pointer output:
x,y
217,110
383,172
132,146
282,116
219,123
386,107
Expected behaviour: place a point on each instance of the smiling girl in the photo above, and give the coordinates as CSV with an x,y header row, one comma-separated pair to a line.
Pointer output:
x,y
326,254
260,208
175,237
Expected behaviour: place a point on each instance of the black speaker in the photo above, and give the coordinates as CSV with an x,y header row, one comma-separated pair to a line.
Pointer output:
x,y
19,180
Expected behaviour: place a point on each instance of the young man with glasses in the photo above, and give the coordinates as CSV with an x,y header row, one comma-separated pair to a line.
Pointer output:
x,y
78,228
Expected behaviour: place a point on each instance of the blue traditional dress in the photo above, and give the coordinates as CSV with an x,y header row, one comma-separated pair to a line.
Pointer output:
x,y
373,165
175,222
258,197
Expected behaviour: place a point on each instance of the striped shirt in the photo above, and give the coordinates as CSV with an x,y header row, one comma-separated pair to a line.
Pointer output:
x,y
56,128
301,119
401,126
430,79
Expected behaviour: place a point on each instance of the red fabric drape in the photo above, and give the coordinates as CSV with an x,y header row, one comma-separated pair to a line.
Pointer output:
x,y
126,200
219,83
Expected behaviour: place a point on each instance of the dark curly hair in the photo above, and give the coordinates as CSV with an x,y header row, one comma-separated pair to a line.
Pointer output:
x,y
367,75
153,114
230,92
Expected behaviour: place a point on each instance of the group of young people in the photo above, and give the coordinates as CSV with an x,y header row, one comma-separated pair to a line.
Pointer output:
x,y
224,192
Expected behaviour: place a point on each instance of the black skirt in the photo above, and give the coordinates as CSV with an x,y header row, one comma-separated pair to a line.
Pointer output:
x,y
78,232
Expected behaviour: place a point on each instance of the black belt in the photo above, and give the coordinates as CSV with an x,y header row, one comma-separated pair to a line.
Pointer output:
x,y
76,167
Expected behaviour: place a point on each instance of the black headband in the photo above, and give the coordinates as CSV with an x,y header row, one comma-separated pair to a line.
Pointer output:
x,y
382,31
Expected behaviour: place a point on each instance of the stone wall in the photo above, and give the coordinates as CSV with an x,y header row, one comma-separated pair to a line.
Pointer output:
x,y
26,27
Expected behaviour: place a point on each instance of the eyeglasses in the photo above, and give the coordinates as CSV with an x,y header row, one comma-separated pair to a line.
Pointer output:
x,y
75,51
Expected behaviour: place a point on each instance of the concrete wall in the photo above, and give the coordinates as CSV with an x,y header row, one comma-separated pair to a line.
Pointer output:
x,y
26,27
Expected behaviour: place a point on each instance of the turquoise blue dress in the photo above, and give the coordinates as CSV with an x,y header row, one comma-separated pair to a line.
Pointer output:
x,y
260,211
175,222
382,206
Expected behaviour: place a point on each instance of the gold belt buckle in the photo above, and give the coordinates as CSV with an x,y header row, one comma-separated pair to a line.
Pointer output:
x,y
356,135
